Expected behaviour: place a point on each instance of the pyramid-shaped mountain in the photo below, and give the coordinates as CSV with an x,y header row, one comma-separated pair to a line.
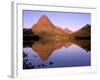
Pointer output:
x,y
44,20
44,25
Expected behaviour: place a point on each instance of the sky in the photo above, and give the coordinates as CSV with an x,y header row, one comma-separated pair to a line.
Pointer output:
x,y
70,20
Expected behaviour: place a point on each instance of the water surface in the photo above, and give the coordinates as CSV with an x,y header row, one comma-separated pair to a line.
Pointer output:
x,y
56,54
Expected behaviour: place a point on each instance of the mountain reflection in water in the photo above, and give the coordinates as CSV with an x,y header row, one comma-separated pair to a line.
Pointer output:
x,y
50,54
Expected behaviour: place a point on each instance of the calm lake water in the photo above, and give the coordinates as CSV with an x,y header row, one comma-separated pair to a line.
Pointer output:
x,y
59,54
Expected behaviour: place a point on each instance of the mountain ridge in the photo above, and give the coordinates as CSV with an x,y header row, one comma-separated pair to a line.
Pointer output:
x,y
45,25
85,31
46,29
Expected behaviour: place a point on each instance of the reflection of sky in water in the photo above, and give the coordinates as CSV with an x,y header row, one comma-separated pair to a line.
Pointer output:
x,y
63,57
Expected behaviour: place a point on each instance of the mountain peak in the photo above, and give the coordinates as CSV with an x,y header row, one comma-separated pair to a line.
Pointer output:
x,y
87,25
44,17
43,25
84,31
44,20
66,30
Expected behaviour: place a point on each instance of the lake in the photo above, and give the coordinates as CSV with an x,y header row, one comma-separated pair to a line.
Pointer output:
x,y
49,54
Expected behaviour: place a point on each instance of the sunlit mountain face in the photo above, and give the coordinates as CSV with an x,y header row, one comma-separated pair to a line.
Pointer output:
x,y
46,45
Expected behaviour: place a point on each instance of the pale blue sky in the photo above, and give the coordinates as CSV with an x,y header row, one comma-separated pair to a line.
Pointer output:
x,y
70,20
